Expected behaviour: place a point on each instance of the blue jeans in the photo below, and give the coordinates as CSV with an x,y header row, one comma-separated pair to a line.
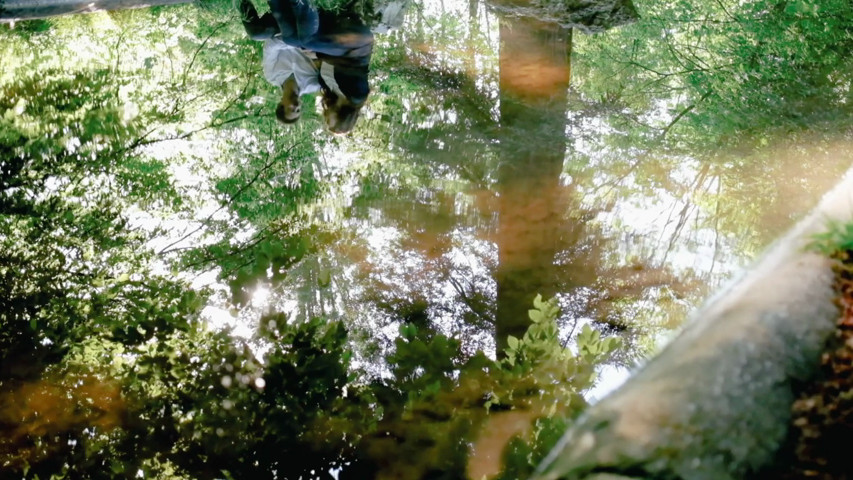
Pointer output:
x,y
295,20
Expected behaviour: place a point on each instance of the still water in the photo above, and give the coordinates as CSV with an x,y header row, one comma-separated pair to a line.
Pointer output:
x,y
193,290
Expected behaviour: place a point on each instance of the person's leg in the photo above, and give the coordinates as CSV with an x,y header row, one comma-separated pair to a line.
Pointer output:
x,y
298,21
342,36
283,13
258,27
356,46
307,19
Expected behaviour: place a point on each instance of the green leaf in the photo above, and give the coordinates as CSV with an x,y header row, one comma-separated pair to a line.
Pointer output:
x,y
324,279
537,302
536,316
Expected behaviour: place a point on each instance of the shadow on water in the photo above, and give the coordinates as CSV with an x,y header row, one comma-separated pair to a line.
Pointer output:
x,y
189,289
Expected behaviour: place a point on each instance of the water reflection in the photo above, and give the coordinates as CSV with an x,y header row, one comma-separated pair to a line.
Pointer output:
x,y
306,51
373,281
520,225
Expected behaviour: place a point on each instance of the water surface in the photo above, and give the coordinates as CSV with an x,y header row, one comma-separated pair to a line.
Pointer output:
x,y
192,290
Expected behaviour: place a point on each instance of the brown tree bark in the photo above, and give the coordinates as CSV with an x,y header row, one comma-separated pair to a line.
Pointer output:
x,y
534,81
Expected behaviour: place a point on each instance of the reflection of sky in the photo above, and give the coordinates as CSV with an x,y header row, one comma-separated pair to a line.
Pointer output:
x,y
667,229
609,379
656,224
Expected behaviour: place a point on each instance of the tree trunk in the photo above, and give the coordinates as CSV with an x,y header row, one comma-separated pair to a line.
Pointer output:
x,y
534,81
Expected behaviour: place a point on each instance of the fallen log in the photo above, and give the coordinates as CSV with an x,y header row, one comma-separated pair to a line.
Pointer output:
x,y
716,402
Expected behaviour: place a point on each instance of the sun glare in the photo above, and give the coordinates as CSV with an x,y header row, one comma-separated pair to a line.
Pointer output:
x,y
260,296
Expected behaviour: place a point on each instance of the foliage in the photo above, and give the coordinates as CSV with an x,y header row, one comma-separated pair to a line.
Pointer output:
x,y
78,291
104,359
440,401
733,68
837,241
263,195
247,416
541,342
63,223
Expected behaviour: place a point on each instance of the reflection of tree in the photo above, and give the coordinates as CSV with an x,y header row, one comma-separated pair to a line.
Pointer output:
x,y
490,154
739,87
534,80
